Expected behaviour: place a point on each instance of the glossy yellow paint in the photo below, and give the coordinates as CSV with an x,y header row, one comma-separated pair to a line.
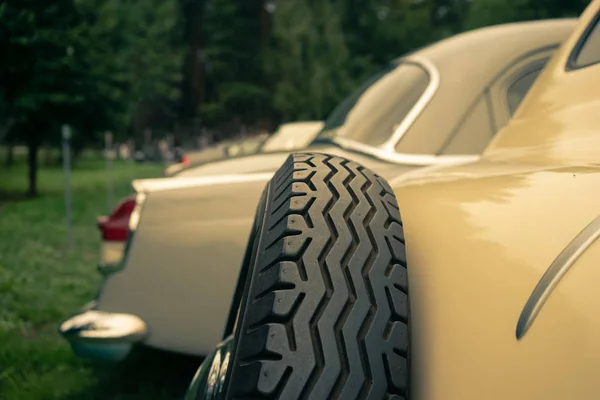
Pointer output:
x,y
558,120
481,235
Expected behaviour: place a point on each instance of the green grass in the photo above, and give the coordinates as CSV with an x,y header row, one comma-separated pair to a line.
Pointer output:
x,y
40,284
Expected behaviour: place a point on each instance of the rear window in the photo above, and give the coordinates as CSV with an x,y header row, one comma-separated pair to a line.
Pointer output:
x,y
518,89
372,113
588,51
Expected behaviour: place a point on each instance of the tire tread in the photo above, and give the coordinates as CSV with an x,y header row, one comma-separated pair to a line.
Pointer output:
x,y
331,259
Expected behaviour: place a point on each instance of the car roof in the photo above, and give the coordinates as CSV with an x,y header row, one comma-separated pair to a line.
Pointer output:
x,y
492,49
503,40
557,120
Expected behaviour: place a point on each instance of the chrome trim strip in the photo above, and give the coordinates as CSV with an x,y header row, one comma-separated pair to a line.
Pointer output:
x,y
160,184
403,158
557,270
434,83
387,151
93,326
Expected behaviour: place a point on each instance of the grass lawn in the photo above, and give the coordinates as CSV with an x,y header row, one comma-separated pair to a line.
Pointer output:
x,y
40,285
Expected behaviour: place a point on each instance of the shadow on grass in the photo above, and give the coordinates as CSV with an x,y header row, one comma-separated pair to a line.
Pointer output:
x,y
147,374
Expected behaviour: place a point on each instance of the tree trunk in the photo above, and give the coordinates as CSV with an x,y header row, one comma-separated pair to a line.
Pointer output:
x,y
193,81
32,161
264,21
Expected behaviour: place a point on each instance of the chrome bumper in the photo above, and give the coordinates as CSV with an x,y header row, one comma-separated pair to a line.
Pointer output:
x,y
103,335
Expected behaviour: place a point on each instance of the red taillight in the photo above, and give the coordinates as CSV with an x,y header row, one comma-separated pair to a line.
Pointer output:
x,y
185,160
115,227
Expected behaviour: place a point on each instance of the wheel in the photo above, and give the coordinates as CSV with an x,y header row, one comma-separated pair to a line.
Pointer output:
x,y
324,311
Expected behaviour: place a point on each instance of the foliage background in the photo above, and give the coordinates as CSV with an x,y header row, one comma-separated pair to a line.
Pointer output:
x,y
143,68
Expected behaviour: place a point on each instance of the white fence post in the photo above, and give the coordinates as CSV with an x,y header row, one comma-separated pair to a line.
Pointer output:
x,y
108,139
66,137
131,160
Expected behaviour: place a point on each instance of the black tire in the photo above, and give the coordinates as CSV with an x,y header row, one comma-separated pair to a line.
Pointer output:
x,y
249,254
324,312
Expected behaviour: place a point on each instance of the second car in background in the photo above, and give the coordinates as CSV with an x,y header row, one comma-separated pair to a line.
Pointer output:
x,y
289,136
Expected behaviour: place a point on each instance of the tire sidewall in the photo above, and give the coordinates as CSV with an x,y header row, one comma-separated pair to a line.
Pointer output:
x,y
241,295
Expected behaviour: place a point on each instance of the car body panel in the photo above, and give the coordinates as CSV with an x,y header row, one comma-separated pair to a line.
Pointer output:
x,y
206,229
482,236
182,266
270,162
459,92
475,256
555,123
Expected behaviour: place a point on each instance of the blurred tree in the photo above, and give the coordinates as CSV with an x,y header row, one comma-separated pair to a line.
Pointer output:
x,y
193,82
378,31
40,80
232,57
88,63
489,12
448,16
134,61
308,60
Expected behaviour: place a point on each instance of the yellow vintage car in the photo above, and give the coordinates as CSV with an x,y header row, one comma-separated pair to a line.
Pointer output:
x,y
476,281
